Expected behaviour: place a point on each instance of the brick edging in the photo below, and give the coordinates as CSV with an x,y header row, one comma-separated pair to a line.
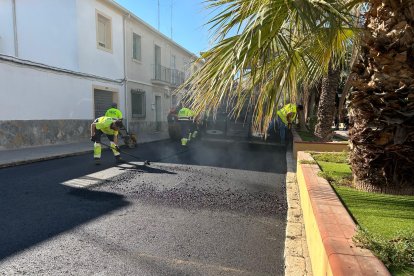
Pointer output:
x,y
329,228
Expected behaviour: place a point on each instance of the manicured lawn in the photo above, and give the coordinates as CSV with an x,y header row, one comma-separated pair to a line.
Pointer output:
x,y
387,220
386,215
379,213
336,174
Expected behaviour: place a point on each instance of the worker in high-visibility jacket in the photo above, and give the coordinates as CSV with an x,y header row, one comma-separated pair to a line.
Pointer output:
x,y
114,112
286,115
186,120
108,126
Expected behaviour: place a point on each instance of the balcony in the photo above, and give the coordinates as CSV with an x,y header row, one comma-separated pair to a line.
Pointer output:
x,y
164,75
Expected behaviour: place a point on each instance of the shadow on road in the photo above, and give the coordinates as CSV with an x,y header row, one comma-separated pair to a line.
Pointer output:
x,y
35,207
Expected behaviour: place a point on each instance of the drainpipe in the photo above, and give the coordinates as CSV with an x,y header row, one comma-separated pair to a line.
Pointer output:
x,y
16,45
125,71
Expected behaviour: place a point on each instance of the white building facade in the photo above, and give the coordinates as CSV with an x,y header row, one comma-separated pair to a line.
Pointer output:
x,y
62,63
155,68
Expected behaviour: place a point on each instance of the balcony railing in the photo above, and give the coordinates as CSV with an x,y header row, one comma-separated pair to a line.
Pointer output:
x,y
168,75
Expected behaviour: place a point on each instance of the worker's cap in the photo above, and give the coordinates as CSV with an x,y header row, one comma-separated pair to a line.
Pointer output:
x,y
114,105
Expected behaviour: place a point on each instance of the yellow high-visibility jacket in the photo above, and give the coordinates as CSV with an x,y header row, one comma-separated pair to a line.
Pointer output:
x,y
284,111
185,114
104,125
114,113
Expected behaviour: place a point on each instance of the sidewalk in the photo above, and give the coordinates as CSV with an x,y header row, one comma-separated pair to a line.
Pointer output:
x,y
297,260
13,157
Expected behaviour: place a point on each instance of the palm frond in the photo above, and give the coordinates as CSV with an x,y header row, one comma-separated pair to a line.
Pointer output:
x,y
265,50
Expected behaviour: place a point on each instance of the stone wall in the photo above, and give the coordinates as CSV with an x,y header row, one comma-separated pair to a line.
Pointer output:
x,y
29,133
144,127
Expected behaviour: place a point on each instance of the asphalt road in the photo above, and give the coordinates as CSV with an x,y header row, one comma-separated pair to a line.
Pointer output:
x,y
209,209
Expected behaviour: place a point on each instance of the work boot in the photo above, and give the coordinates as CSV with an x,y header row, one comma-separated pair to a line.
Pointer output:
x,y
119,159
97,161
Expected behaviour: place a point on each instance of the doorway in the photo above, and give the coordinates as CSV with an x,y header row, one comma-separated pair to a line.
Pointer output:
x,y
158,113
102,101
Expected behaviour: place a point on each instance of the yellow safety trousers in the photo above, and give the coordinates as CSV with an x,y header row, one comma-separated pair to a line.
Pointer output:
x,y
97,150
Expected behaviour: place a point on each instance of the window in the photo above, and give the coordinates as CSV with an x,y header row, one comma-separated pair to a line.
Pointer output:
x,y
138,103
173,62
136,46
103,32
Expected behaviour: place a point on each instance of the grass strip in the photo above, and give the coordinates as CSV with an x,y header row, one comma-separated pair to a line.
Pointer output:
x,y
386,222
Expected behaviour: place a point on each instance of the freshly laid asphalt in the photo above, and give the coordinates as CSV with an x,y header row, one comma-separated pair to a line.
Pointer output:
x,y
233,200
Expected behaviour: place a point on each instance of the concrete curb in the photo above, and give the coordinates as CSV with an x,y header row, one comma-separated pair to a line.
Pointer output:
x,y
296,255
330,228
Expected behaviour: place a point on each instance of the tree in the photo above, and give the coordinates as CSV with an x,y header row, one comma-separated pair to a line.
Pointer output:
x,y
279,45
326,108
382,100
269,48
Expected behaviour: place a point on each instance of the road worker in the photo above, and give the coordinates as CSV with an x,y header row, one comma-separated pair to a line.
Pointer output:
x,y
114,112
286,115
186,120
108,126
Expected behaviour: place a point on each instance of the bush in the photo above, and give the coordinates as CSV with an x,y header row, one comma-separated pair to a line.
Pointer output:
x,y
397,253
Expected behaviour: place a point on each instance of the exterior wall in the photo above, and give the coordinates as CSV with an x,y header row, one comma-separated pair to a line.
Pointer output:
x,y
144,70
46,32
141,73
50,82
45,107
148,123
93,60
39,95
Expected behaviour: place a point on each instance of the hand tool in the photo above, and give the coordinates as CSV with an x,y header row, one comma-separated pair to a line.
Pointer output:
x,y
146,162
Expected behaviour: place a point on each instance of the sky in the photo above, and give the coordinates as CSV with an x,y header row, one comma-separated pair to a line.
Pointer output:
x,y
186,26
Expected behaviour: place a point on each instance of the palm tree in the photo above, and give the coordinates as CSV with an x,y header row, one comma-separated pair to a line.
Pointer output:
x,y
326,108
269,48
382,100
278,46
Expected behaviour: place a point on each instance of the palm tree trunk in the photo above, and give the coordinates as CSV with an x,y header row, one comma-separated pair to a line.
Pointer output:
x,y
302,114
326,108
382,101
